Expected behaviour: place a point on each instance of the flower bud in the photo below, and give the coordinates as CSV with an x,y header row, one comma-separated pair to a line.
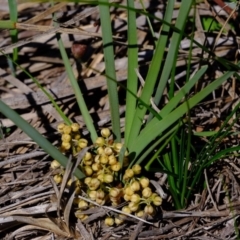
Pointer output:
x,y
96,159
96,167
157,201
75,127
77,190
117,147
100,151
82,142
100,201
66,137
149,209
127,197
87,180
128,191
144,182
135,186
87,156
108,178
57,178
133,206
100,194
139,213
126,209
128,174
60,127
78,149
88,163
109,221
76,136
100,141
146,192
105,132
108,151
116,167
55,164
94,184
114,192
78,183
103,159
69,182
136,169
79,215
66,145
112,160
101,177
115,202
92,195
83,205
118,221
67,129
88,171
135,198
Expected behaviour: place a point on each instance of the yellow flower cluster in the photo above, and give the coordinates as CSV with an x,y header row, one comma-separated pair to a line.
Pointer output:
x,y
137,193
71,138
102,185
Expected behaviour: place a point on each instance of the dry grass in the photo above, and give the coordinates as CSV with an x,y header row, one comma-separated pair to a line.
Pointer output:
x,y
32,206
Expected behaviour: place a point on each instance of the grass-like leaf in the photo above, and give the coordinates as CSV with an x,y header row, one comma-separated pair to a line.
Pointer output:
x,y
132,84
110,67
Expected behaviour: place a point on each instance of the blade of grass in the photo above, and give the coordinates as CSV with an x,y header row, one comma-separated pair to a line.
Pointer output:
x,y
172,182
105,19
132,84
12,4
185,166
37,137
149,84
148,19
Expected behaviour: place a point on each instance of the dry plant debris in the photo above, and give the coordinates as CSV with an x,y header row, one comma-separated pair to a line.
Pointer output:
x,y
31,207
